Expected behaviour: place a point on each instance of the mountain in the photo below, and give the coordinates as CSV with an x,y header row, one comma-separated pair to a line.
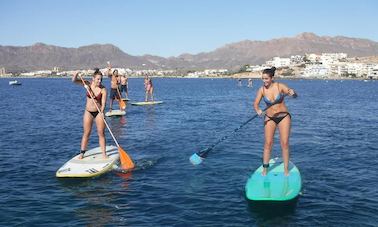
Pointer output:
x,y
231,56
41,56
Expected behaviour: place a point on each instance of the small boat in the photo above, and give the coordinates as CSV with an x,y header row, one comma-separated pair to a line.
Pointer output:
x,y
14,82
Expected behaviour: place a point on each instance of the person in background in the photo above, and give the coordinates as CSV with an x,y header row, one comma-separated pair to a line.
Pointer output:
x,y
149,88
91,114
250,82
114,82
277,115
124,85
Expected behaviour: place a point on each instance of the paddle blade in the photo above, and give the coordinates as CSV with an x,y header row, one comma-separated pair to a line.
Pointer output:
x,y
122,104
195,159
126,162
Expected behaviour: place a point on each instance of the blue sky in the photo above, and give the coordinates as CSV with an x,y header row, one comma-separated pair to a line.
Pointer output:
x,y
170,28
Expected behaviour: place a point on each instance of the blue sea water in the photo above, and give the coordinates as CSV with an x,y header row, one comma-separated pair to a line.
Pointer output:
x,y
334,144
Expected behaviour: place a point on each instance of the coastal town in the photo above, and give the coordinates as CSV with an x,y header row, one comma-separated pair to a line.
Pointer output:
x,y
310,66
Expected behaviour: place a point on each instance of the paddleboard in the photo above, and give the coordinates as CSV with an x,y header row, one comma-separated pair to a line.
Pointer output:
x,y
275,186
93,164
146,103
125,99
114,113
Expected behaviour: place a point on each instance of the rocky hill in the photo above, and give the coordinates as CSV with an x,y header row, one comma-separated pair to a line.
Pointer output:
x,y
231,56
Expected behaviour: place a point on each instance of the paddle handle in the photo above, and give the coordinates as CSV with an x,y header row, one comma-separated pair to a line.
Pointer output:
x,y
98,109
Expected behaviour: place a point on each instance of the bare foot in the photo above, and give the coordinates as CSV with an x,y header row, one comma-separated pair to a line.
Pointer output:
x,y
82,152
263,172
104,156
286,173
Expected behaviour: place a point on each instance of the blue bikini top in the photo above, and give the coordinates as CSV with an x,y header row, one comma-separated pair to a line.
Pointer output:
x,y
279,98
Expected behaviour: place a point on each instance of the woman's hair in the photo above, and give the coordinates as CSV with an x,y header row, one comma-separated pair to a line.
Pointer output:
x,y
270,71
97,72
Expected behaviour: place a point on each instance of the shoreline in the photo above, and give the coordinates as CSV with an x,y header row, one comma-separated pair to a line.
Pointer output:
x,y
209,77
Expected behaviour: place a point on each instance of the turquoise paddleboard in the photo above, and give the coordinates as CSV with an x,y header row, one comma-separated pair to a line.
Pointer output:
x,y
275,186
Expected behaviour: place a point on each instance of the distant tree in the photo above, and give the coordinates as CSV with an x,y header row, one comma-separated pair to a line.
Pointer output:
x,y
244,68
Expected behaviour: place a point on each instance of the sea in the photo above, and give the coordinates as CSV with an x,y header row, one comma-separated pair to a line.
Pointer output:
x,y
334,140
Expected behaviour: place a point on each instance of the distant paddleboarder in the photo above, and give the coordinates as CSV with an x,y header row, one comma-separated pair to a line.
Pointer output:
x,y
98,92
114,82
149,88
250,82
277,115
124,87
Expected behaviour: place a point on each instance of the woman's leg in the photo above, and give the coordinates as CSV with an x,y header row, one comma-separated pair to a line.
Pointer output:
x,y
152,93
146,95
87,128
284,128
270,128
111,104
101,134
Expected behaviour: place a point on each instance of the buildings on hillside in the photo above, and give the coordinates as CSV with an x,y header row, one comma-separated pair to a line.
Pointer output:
x,y
325,65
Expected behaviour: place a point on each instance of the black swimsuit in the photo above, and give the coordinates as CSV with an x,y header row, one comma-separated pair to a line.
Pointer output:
x,y
278,117
94,113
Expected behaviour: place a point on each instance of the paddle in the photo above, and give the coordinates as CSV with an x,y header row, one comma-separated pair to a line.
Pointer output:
x,y
126,162
122,103
197,158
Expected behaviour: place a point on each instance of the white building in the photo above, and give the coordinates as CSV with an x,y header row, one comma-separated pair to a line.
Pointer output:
x,y
313,57
331,58
316,70
296,59
279,62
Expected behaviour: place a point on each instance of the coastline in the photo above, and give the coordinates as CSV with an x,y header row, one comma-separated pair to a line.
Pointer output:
x,y
204,77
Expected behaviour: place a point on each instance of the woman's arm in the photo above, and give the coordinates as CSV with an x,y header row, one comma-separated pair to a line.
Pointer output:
x,y
288,91
257,102
77,80
103,99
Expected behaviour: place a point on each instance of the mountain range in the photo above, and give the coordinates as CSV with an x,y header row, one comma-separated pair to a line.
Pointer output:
x,y
230,56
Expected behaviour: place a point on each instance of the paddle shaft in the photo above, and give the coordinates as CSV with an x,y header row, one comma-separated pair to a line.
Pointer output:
x,y
203,153
235,130
98,109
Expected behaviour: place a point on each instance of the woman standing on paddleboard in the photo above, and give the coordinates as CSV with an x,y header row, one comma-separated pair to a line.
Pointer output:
x,y
273,94
149,88
98,92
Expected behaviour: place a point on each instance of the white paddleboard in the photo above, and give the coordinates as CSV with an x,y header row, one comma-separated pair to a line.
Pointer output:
x,y
125,99
146,103
115,113
93,164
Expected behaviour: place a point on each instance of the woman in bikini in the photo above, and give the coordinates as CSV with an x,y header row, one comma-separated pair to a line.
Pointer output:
x,y
149,88
277,115
91,113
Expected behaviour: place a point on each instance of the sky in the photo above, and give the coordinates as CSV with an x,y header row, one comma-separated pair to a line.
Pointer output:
x,y
172,27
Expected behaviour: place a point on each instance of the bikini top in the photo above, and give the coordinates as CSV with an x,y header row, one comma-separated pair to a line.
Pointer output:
x,y
279,97
98,97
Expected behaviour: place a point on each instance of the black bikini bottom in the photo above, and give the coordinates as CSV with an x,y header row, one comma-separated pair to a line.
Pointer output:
x,y
278,117
94,113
